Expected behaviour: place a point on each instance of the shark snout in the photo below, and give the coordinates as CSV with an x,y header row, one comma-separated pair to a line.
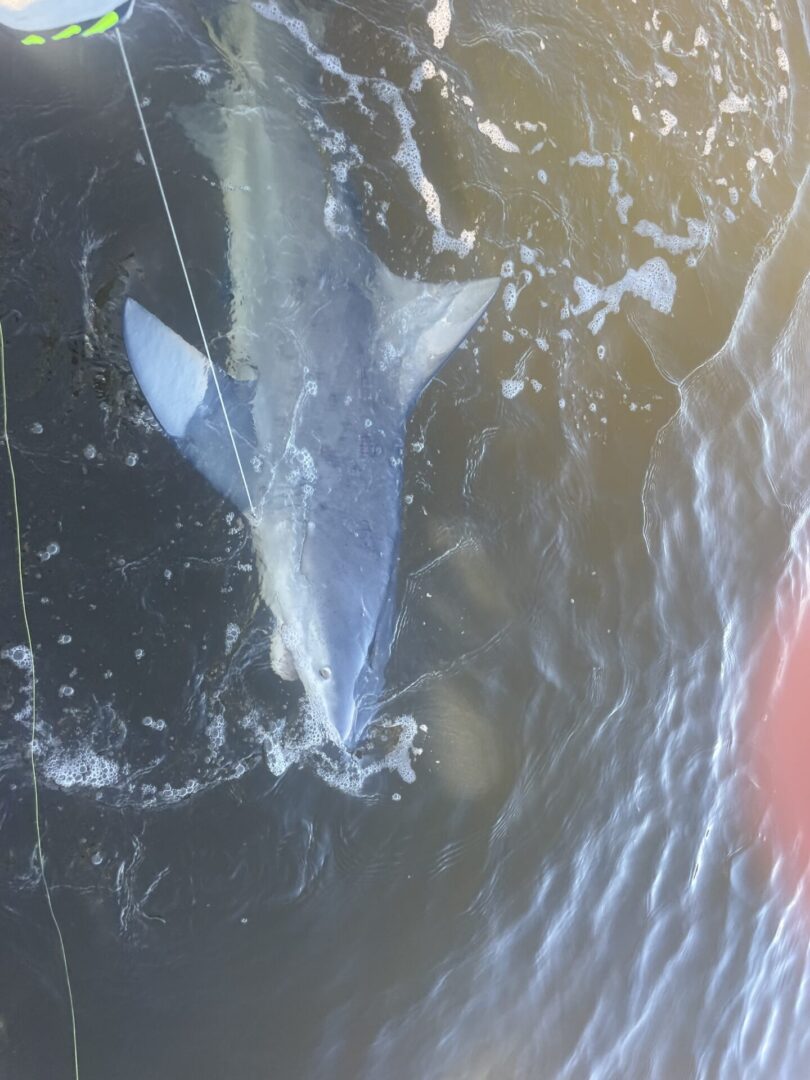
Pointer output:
x,y
330,692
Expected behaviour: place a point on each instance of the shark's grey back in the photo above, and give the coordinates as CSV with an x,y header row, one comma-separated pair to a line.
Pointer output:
x,y
336,350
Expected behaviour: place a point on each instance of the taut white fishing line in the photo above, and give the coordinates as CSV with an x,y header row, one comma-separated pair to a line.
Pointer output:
x,y
183,264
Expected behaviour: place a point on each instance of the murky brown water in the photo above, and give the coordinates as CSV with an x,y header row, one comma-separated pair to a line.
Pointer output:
x,y
605,555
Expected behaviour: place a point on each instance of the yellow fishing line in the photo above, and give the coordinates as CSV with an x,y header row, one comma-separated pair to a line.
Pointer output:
x,y
32,747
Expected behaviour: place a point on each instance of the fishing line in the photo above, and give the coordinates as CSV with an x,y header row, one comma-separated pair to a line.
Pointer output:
x,y
182,263
32,746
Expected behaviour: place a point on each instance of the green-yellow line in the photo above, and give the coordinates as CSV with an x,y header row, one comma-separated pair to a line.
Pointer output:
x,y
68,32
106,22
30,644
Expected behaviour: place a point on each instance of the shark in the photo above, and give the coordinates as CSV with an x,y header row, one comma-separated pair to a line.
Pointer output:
x,y
328,353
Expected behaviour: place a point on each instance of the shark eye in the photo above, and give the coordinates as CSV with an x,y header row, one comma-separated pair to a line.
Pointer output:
x,y
325,673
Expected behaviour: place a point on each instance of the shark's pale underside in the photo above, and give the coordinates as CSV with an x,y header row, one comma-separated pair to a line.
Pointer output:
x,y
329,351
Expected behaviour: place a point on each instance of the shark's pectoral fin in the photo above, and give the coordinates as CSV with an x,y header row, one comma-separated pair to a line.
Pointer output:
x,y
177,382
421,323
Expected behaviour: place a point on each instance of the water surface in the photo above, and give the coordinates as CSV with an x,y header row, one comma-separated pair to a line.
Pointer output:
x,y
605,548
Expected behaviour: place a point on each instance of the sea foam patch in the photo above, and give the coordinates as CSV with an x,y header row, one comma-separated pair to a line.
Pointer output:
x,y
80,769
653,281
497,137
408,155
698,233
439,20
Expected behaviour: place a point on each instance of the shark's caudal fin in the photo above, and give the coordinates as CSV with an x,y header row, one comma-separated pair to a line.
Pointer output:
x,y
176,381
421,323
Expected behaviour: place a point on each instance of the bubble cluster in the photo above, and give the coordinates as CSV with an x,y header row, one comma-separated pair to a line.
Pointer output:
x,y
698,233
49,551
231,637
497,137
653,282
510,388
19,656
439,20
80,769
215,733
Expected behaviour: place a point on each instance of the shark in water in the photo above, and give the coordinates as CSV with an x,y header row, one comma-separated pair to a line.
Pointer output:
x,y
329,352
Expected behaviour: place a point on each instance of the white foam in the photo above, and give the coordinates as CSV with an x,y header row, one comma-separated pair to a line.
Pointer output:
x,y
216,733
410,159
669,121
18,655
439,20
510,388
497,137
420,75
80,769
698,236
588,160
735,104
623,205
782,60
407,156
331,211
510,295
653,282
711,133
232,632
328,61
622,201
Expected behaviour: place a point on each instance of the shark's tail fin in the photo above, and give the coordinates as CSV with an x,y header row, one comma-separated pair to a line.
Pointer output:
x,y
177,382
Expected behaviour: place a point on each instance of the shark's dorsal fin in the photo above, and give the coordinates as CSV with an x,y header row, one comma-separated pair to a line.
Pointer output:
x,y
420,323
176,381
